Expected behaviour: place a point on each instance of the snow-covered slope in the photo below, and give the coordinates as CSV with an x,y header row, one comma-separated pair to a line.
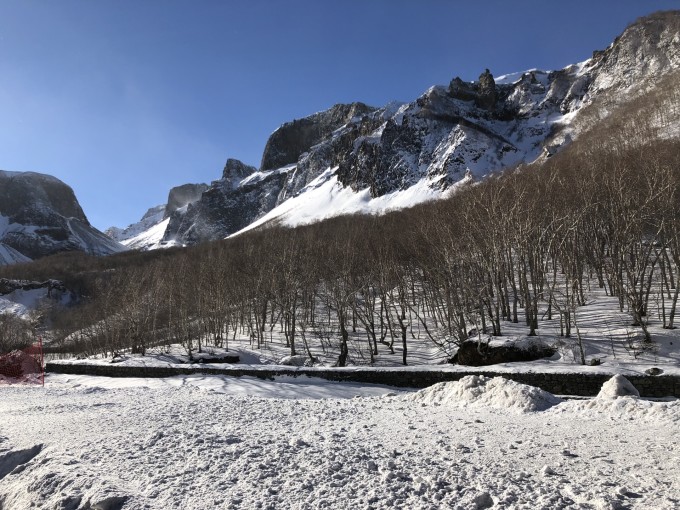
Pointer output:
x,y
9,255
355,158
40,215
149,232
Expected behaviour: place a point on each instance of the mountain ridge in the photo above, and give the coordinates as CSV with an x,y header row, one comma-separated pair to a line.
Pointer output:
x,y
358,158
419,150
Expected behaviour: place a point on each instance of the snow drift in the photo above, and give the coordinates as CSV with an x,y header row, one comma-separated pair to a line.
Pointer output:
x,y
618,386
480,391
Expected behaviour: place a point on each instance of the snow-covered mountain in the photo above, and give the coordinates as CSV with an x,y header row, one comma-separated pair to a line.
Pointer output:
x,y
40,215
150,231
356,158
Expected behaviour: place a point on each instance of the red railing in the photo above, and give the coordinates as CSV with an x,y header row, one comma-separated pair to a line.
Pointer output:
x,y
25,366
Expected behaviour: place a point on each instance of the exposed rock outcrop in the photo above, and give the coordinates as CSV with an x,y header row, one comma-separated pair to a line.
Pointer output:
x,y
465,91
182,196
40,215
227,206
474,354
8,286
486,97
291,140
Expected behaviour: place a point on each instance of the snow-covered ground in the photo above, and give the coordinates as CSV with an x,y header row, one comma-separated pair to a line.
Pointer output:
x,y
21,302
211,442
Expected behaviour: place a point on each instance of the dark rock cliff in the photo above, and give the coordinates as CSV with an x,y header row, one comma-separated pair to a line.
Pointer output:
x,y
292,139
40,215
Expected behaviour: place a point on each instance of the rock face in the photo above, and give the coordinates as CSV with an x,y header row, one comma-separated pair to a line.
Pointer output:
x,y
645,51
486,96
40,215
182,196
355,157
150,231
228,205
287,143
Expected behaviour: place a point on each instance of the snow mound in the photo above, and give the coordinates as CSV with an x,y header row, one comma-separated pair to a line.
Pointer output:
x,y
618,386
295,361
629,408
480,391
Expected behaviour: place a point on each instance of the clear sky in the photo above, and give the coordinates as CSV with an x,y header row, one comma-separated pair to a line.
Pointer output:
x,y
123,99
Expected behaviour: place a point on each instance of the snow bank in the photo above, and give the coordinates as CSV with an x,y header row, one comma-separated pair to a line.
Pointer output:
x,y
626,408
282,387
618,386
299,360
480,391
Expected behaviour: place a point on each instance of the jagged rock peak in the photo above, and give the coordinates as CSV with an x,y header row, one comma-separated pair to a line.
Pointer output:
x,y
152,212
486,97
483,92
235,170
459,89
292,139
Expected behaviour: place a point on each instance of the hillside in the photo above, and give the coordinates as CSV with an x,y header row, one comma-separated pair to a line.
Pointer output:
x,y
356,158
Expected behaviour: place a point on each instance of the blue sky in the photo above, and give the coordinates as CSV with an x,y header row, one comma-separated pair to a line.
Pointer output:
x,y
123,99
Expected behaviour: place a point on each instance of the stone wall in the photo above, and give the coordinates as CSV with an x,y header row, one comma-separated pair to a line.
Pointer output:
x,y
581,384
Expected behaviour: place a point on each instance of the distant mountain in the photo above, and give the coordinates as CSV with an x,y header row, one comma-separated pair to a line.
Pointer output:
x,y
151,231
356,158
40,215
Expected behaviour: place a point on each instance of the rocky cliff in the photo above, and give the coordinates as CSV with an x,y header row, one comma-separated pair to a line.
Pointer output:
x,y
356,158
40,215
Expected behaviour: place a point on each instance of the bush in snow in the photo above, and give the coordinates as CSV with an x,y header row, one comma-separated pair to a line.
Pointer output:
x,y
15,333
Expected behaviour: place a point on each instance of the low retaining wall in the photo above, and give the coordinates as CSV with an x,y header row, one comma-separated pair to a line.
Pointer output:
x,y
581,384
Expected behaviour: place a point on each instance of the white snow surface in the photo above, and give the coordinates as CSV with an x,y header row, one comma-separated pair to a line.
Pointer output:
x,y
201,442
325,198
480,391
150,238
9,255
22,302
618,386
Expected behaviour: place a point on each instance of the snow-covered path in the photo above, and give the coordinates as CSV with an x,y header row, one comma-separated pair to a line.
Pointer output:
x,y
190,445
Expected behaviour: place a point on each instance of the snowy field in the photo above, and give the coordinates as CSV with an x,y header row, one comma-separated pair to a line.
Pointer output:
x,y
195,442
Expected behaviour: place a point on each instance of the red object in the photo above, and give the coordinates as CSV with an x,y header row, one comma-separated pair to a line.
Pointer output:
x,y
23,366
